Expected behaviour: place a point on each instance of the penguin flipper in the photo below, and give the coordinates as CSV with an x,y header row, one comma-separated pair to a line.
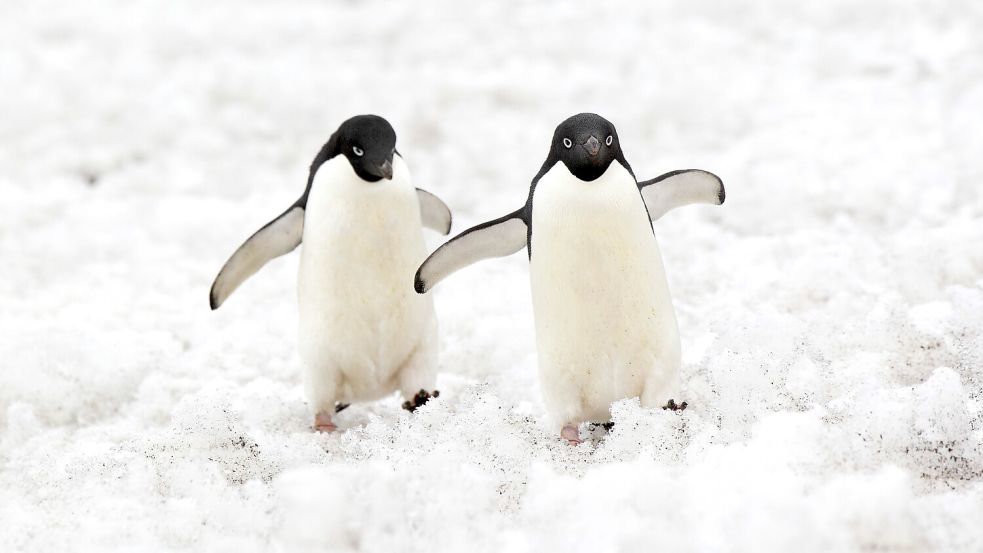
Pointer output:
x,y
677,188
434,212
278,237
498,238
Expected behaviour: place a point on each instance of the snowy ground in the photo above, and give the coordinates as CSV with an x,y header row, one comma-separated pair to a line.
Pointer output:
x,y
831,311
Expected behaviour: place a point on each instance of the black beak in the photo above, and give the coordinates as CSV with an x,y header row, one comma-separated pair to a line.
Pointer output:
x,y
592,146
386,170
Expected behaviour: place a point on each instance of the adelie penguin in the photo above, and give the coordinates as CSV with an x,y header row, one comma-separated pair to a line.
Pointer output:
x,y
605,325
364,333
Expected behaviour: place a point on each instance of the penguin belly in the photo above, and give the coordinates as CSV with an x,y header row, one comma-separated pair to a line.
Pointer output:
x,y
605,325
364,331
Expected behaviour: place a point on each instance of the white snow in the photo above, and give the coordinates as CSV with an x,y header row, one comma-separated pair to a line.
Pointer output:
x,y
831,311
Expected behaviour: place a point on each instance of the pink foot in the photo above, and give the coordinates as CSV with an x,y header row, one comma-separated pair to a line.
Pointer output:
x,y
571,434
322,423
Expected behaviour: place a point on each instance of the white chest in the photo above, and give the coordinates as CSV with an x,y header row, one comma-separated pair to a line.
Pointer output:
x,y
604,318
362,244
353,227
592,241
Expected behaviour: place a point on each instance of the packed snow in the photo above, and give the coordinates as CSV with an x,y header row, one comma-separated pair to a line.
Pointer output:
x,y
831,312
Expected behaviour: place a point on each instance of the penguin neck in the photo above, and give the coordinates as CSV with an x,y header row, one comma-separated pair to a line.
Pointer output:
x,y
343,205
614,191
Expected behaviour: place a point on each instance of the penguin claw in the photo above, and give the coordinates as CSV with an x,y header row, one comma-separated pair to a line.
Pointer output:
x,y
419,400
673,406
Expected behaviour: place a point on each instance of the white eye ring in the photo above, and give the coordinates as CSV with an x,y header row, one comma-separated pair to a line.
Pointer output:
x,y
358,151
567,142
609,140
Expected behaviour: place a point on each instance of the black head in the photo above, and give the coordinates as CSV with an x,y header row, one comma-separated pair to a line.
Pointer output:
x,y
369,143
587,144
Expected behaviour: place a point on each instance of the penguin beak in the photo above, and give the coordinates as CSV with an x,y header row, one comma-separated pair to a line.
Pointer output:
x,y
592,146
386,170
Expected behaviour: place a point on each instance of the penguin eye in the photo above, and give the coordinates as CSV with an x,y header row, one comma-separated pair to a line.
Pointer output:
x,y
358,151
609,140
567,142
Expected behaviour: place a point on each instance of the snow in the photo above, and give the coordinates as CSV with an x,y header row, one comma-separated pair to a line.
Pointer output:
x,y
831,311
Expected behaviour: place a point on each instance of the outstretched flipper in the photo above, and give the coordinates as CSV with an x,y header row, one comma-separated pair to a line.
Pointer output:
x,y
434,212
677,188
278,237
498,238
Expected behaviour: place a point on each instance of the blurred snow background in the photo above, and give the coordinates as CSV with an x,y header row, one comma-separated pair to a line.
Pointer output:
x,y
831,311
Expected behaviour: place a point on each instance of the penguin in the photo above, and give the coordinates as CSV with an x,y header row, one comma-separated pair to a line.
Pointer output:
x,y
363,332
604,321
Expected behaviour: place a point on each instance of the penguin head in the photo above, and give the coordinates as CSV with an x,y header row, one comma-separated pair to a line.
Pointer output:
x,y
369,143
587,144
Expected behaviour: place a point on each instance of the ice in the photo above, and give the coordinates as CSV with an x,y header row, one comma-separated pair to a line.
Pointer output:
x,y
831,311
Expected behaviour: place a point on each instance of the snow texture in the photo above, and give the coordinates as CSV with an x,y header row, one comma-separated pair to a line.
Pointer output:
x,y
831,311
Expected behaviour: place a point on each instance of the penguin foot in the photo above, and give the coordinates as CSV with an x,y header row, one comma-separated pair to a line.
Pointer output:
x,y
339,406
571,434
673,406
419,400
323,423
